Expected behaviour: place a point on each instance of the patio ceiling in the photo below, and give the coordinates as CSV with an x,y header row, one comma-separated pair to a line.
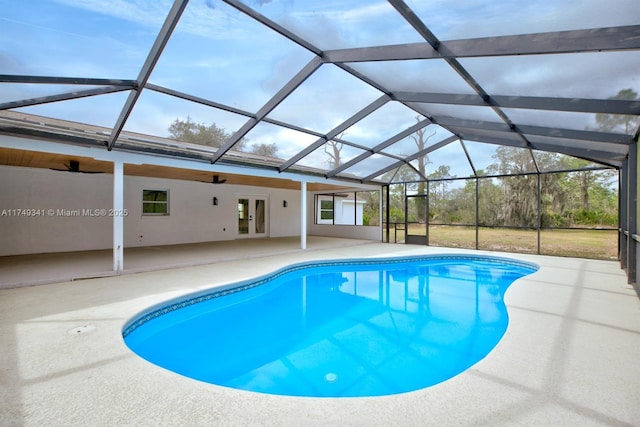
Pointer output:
x,y
340,89
61,162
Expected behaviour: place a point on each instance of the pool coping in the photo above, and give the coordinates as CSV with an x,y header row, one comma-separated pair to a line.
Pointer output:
x,y
197,297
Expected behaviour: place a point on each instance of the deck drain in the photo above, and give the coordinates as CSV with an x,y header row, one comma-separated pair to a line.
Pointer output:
x,y
82,329
331,377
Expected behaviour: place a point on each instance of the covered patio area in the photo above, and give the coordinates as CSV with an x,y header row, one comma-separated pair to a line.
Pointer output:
x,y
37,269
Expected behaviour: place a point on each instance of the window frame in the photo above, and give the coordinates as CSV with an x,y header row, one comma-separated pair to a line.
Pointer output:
x,y
356,212
155,203
322,210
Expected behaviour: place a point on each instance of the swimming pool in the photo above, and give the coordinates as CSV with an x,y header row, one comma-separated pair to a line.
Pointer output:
x,y
345,328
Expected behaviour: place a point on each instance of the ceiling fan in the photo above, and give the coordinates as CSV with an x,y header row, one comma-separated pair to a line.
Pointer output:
x,y
215,180
74,167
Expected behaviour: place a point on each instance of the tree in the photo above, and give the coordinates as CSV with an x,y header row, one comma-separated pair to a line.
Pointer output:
x,y
586,179
199,133
489,196
213,136
396,203
333,150
438,188
371,208
414,179
269,150
617,122
421,138
518,203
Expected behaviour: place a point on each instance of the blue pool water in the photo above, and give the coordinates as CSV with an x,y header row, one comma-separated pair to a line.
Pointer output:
x,y
336,329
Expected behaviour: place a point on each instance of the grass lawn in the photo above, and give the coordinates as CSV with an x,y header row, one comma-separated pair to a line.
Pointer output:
x,y
594,244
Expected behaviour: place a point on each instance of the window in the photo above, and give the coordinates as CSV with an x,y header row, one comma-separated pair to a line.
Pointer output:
x,y
351,208
326,212
326,209
155,202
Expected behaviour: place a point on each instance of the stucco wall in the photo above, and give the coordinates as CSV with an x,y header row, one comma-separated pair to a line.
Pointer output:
x,y
62,202
344,231
52,199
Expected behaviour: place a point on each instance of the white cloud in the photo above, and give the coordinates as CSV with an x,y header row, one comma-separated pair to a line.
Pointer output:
x,y
148,13
470,18
197,19
587,75
343,13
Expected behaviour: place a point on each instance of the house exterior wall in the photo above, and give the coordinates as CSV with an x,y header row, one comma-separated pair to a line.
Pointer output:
x,y
346,231
345,212
65,211
53,199
341,230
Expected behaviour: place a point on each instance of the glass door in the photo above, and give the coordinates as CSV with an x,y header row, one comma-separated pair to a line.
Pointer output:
x,y
243,217
259,225
252,216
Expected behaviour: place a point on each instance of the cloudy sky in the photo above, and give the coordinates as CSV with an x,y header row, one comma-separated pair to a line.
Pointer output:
x,y
220,54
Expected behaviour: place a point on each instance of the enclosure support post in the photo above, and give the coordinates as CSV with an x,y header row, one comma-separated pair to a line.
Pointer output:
x,y
477,212
118,216
539,209
406,214
355,208
333,206
303,215
619,215
632,207
622,214
384,202
426,220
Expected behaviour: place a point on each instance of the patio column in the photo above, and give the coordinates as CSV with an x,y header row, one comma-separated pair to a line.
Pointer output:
x,y
118,216
303,215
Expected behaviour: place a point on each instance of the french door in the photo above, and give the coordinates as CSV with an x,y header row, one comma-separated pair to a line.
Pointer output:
x,y
252,216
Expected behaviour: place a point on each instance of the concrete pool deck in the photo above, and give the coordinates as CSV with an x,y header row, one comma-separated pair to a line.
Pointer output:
x,y
570,355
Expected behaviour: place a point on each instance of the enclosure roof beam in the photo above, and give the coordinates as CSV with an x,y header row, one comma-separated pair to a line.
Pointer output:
x,y
62,97
197,99
598,156
337,131
409,15
466,153
459,126
593,154
557,42
311,67
273,25
419,26
228,108
147,68
8,78
412,157
400,136
496,139
579,105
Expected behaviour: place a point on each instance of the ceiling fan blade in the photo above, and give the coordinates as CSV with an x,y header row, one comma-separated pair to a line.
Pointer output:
x,y
74,167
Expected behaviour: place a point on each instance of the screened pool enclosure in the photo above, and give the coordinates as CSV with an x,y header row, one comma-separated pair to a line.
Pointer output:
x,y
468,115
